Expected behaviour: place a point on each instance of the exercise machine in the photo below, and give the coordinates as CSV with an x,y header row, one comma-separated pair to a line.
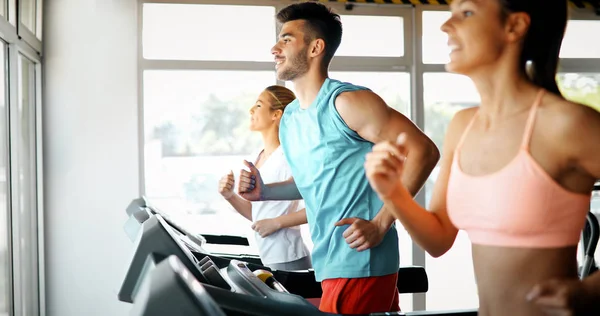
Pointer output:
x,y
166,277
411,279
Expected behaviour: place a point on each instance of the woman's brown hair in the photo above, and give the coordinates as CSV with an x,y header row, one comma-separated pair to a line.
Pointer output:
x,y
281,96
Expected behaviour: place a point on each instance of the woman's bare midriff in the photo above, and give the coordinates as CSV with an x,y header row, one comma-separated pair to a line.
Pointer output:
x,y
505,275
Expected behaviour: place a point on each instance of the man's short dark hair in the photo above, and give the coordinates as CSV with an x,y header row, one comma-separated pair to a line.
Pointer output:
x,y
321,22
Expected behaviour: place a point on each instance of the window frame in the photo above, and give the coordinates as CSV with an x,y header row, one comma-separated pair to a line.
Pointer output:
x,y
14,50
16,44
7,174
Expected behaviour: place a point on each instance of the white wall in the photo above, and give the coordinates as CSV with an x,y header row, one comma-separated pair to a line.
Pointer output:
x,y
91,152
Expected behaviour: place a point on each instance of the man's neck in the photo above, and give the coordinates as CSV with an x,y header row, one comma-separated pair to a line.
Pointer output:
x,y
308,86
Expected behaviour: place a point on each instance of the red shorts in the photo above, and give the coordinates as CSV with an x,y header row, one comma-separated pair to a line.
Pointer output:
x,y
360,295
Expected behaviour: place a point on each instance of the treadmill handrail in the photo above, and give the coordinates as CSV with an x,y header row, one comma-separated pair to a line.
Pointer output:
x,y
591,235
594,227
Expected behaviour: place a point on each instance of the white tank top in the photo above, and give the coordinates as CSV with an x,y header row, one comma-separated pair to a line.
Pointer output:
x,y
286,244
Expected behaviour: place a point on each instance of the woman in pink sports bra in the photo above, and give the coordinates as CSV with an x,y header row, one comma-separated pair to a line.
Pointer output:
x,y
516,172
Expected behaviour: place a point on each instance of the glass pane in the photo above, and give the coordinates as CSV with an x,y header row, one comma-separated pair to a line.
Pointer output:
x,y
392,87
208,32
583,88
38,17
378,36
28,14
5,283
444,95
578,42
196,129
24,183
3,11
435,48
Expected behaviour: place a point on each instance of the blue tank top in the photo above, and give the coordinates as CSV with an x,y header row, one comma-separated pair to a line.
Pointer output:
x,y
327,162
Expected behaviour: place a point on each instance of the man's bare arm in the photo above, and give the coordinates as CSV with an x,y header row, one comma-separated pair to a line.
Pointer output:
x,y
368,115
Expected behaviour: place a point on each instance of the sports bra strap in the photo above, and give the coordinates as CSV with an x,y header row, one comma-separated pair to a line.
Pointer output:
x,y
466,131
531,120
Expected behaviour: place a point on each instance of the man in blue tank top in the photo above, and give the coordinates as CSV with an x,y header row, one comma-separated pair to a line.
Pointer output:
x,y
325,135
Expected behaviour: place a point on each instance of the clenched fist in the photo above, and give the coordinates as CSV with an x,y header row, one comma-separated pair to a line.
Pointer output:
x,y
226,185
384,166
251,184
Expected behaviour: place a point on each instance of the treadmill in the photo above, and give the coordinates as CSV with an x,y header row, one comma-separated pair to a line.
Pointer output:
x,y
411,279
166,277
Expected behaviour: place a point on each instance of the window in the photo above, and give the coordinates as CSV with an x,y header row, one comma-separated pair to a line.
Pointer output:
x,y
5,273
577,43
372,36
581,88
451,278
206,32
24,182
196,129
444,95
435,49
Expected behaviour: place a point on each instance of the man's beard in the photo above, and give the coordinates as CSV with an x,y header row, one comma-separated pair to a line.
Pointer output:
x,y
297,67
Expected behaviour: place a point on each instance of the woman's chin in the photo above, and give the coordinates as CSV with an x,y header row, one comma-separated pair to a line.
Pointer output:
x,y
454,67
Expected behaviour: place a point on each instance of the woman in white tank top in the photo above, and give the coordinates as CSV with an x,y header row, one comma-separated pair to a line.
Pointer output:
x,y
276,223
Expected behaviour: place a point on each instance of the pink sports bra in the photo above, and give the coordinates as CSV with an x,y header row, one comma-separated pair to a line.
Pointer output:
x,y
518,206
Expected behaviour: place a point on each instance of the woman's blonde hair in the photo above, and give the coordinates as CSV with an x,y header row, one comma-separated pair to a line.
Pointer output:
x,y
281,96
